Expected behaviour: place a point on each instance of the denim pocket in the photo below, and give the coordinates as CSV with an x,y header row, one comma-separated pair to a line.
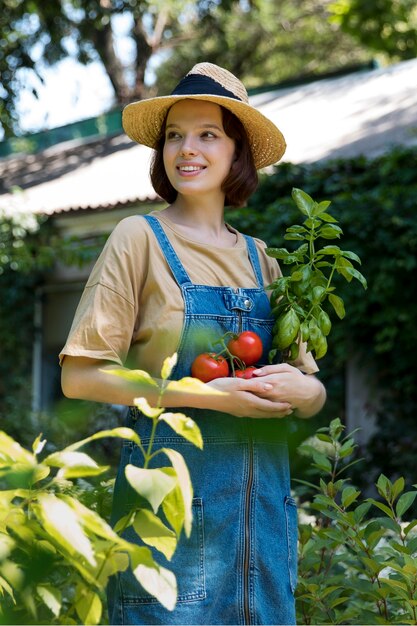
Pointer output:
x,y
292,539
187,564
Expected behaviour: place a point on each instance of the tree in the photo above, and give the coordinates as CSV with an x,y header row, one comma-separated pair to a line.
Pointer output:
x,y
264,42
261,41
387,26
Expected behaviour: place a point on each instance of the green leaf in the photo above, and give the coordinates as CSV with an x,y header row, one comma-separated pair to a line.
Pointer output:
x,y
185,485
121,432
382,506
51,596
324,322
91,520
294,237
74,464
168,365
334,251
89,607
288,327
349,495
174,509
404,502
356,274
62,524
303,201
317,294
277,253
156,580
351,255
193,386
10,450
184,426
398,487
320,208
338,305
327,217
134,376
151,484
330,231
144,406
38,445
154,533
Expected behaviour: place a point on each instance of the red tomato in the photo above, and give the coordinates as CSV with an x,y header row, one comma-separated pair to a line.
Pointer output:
x,y
247,346
208,366
246,373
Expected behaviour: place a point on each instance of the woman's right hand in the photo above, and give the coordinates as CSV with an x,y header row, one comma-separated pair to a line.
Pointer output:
x,y
240,398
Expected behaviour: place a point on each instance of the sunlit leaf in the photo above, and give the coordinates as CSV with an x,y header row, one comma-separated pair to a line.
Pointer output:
x,y
168,365
52,597
156,580
144,406
174,509
304,202
38,445
91,520
154,533
88,606
184,426
185,484
10,450
151,484
193,386
404,502
61,523
135,376
74,464
110,564
120,432
338,305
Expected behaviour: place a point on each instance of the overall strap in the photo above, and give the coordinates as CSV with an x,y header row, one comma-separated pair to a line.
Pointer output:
x,y
254,259
168,251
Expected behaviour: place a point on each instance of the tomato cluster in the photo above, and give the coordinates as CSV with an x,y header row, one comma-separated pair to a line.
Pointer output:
x,y
237,358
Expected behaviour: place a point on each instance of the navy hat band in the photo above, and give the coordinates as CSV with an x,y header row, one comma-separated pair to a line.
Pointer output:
x,y
195,84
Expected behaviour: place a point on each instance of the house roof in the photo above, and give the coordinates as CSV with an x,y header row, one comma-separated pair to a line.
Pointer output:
x,y
366,113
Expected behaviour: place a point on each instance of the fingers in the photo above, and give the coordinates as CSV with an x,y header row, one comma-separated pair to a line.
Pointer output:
x,y
274,369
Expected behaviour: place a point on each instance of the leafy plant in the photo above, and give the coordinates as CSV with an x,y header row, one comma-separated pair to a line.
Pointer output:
x,y
357,556
299,299
56,553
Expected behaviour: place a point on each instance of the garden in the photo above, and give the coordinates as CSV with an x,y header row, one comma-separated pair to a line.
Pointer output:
x,y
357,559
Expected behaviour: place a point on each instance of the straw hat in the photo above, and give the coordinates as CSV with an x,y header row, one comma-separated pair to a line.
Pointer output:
x,y
143,120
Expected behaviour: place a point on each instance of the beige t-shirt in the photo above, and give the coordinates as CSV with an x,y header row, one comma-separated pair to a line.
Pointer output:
x,y
131,311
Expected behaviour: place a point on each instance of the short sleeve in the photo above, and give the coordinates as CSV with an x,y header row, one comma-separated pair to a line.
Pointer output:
x,y
108,310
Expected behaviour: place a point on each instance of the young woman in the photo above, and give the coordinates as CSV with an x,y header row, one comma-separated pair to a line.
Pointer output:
x,y
171,282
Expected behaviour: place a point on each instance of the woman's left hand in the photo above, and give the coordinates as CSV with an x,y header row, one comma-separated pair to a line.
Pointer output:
x,y
304,392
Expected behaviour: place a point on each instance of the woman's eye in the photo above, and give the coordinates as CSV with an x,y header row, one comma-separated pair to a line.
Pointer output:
x,y
172,135
209,134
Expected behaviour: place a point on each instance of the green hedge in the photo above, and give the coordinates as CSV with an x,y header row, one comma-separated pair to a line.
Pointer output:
x,y
375,202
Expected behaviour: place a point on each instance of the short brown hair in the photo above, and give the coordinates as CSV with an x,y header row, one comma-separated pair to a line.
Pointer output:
x,y
240,182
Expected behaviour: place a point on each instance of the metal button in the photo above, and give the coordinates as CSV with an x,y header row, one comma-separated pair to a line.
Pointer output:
x,y
247,304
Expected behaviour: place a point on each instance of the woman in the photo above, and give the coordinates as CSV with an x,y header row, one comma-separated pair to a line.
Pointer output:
x,y
169,282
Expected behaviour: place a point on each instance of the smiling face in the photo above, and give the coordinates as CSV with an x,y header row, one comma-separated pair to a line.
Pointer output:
x,y
197,152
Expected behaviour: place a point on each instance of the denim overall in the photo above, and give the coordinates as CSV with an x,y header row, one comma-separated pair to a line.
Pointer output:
x,y
240,564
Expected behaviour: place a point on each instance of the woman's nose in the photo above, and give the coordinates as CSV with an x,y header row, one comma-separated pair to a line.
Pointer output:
x,y
188,146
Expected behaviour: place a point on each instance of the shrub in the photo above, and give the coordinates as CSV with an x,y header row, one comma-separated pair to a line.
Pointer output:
x,y
357,556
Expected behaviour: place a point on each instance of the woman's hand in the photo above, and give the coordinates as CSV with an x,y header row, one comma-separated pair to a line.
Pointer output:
x,y
247,398
303,392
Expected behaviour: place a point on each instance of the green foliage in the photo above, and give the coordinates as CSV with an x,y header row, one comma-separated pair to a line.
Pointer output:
x,y
298,298
260,41
380,25
357,556
56,552
376,200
